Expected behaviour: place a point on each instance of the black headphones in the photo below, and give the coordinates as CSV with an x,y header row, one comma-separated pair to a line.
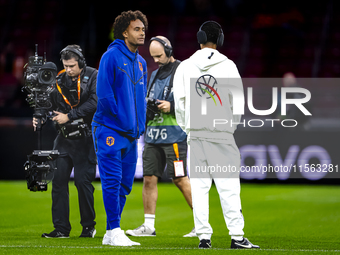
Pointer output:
x,y
81,60
167,48
202,36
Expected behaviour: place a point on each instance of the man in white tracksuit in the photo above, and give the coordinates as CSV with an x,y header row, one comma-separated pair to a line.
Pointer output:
x,y
211,146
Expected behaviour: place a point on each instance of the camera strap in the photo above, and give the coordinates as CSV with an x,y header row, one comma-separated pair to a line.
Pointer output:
x,y
64,97
176,64
152,83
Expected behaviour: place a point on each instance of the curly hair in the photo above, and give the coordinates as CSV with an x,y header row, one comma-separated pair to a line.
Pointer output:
x,y
212,31
123,21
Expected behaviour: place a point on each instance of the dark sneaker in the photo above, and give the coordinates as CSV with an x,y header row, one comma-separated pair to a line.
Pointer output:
x,y
244,244
88,232
205,244
55,234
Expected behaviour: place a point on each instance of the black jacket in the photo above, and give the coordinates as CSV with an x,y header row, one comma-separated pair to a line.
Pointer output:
x,y
88,98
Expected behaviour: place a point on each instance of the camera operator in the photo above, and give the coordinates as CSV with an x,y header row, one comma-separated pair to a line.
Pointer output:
x,y
74,103
162,133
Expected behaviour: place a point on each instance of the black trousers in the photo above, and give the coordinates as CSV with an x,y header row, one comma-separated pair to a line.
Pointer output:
x,y
80,155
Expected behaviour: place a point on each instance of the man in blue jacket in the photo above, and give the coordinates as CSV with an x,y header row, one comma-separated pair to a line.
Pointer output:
x,y
120,118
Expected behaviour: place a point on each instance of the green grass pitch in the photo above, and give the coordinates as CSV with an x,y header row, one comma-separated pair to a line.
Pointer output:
x,y
282,219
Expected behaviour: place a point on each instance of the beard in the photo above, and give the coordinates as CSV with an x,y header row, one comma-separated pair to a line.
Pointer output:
x,y
134,43
137,43
165,63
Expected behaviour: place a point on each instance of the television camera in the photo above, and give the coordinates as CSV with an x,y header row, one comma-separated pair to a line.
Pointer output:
x,y
39,82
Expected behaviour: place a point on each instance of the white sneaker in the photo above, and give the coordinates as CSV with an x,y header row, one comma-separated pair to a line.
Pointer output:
x,y
106,239
191,234
141,231
119,239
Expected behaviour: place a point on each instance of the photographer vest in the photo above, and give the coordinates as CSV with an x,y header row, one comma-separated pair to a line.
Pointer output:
x,y
163,129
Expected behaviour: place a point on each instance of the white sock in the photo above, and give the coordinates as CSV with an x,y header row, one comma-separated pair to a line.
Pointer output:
x,y
237,238
149,221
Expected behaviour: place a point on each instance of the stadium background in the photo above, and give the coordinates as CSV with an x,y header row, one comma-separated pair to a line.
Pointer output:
x,y
263,38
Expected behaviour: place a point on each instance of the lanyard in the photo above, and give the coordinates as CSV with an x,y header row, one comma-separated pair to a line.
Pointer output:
x,y
176,150
78,90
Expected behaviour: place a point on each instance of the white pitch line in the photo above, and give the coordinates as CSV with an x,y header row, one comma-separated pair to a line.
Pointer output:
x,y
155,248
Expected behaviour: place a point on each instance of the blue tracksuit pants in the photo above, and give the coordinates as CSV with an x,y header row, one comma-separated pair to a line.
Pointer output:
x,y
117,159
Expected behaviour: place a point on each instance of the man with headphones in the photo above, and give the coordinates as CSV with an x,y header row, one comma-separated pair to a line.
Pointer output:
x,y
165,141
211,145
74,103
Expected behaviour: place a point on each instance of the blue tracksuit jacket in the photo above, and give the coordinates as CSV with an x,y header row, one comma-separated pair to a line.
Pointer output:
x,y
121,91
117,123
